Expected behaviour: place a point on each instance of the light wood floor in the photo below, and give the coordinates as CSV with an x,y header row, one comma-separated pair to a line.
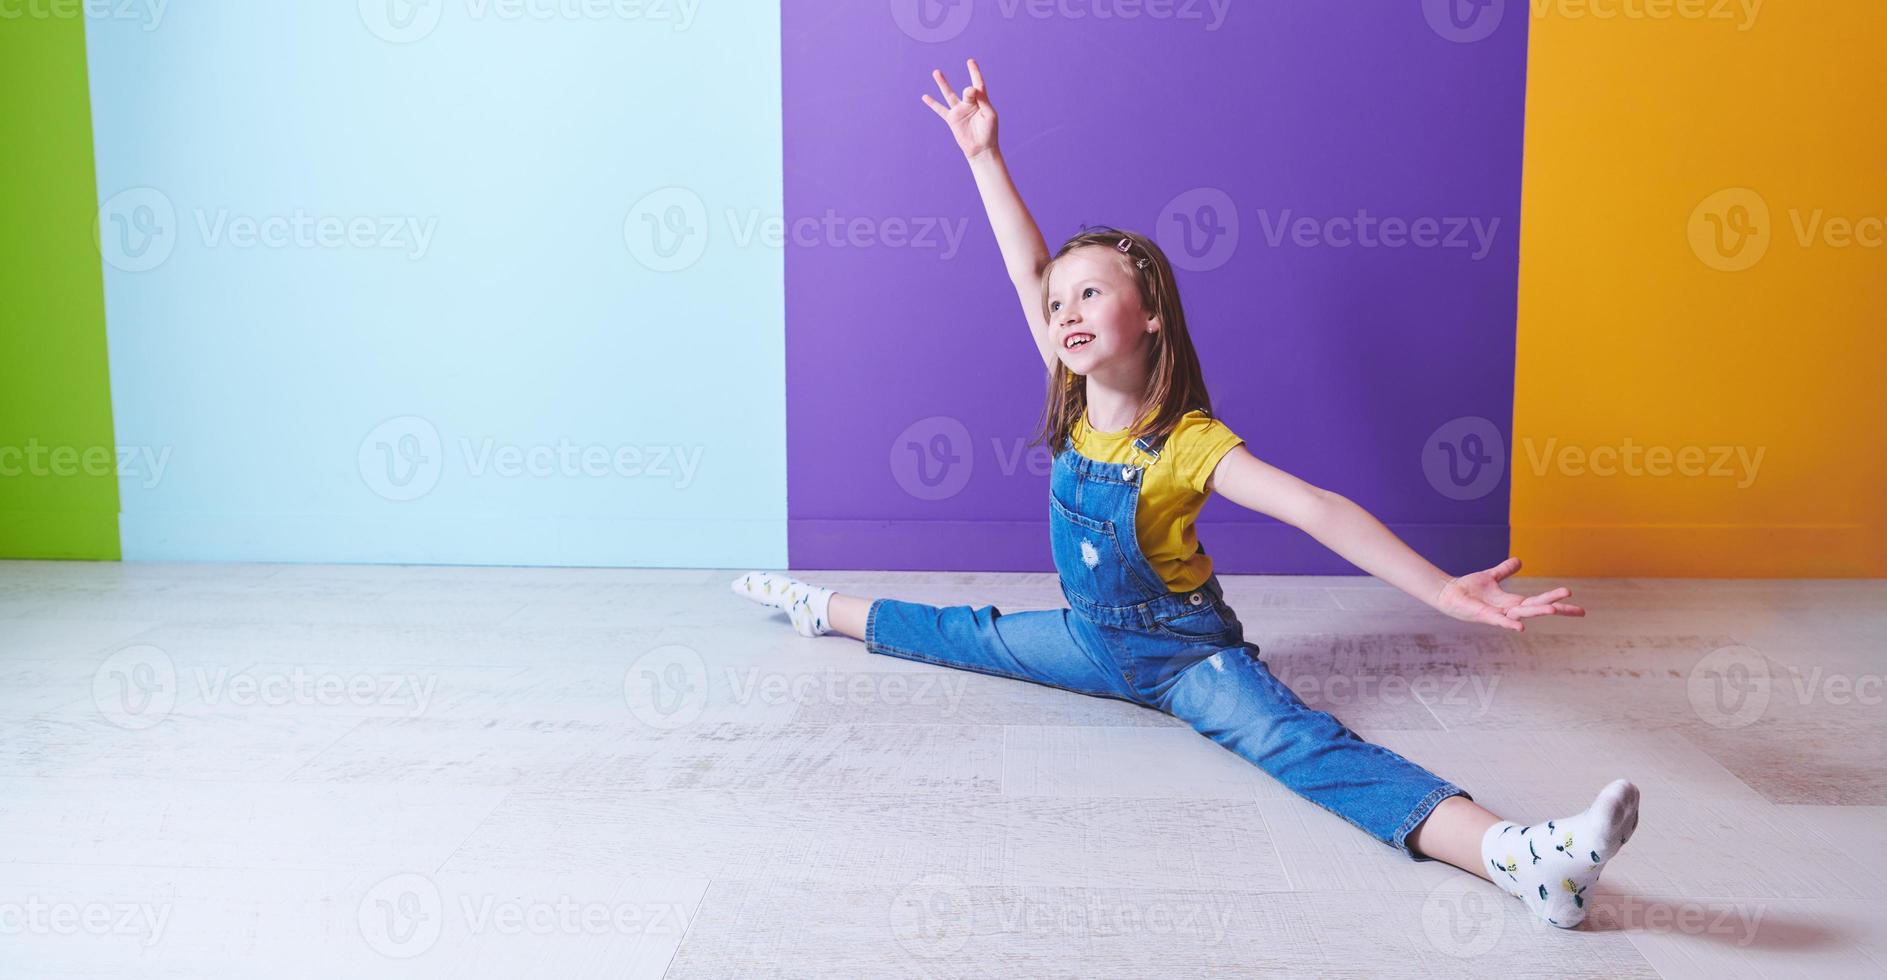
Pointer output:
x,y
365,771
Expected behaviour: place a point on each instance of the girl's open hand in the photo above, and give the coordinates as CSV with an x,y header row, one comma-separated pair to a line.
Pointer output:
x,y
1478,598
972,119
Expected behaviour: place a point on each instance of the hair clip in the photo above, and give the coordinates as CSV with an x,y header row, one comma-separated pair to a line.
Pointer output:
x,y
1142,263
1124,244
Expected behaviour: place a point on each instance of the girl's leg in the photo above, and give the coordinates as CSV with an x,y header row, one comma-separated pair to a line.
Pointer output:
x,y
1055,647
1232,698
1051,646
847,613
1453,833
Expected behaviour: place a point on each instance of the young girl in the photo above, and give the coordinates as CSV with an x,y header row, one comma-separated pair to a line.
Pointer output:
x,y
1136,454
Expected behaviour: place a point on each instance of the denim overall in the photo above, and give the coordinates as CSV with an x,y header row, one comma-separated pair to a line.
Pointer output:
x,y
1125,636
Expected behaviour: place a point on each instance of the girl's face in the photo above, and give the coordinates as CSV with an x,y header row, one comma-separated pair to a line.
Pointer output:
x,y
1094,312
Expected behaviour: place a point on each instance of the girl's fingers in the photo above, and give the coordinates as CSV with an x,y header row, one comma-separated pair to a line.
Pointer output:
x,y
1528,612
1492,617
1547,598
950,98
1506,568
976,74
936,107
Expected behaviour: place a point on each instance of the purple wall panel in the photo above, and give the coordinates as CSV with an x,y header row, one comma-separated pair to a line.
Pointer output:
x,y
1338,348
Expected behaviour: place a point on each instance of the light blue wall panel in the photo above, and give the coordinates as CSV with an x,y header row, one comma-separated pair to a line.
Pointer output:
x,y
395,281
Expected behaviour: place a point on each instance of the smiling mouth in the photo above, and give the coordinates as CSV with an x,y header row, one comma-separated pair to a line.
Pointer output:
x,y
1077,340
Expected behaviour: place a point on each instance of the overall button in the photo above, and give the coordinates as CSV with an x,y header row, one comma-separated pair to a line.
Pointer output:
x,y
1127,473
1194,599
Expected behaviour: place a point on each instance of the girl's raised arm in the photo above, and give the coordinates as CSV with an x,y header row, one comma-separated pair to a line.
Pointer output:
x,y
972,121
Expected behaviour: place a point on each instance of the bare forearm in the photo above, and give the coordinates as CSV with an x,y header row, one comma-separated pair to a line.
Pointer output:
x,y
1023,250
1344,527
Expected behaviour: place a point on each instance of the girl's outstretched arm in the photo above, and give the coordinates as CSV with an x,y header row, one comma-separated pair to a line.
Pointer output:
x,y
1344,527
972,121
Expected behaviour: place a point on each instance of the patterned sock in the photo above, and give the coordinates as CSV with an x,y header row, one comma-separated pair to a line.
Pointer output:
x,y
805,604
1550,865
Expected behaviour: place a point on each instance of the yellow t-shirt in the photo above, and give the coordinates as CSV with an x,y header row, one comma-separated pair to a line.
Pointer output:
x,y
1172,490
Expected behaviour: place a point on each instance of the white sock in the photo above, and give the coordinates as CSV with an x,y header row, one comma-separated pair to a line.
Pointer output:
x,y
805,604
1549,865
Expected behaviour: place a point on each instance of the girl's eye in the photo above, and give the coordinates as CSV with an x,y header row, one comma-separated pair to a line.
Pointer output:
x,y
1088,290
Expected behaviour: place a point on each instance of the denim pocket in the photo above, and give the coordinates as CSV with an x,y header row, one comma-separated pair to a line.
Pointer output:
x,y
1209,623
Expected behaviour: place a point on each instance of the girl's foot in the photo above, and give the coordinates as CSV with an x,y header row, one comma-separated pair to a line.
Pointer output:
x,y
805,604
1550,865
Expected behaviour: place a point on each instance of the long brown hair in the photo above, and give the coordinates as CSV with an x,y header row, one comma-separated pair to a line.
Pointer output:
x,y
1175,385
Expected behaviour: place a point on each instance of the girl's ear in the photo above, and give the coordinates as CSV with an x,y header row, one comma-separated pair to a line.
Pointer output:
x,y
1153,324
